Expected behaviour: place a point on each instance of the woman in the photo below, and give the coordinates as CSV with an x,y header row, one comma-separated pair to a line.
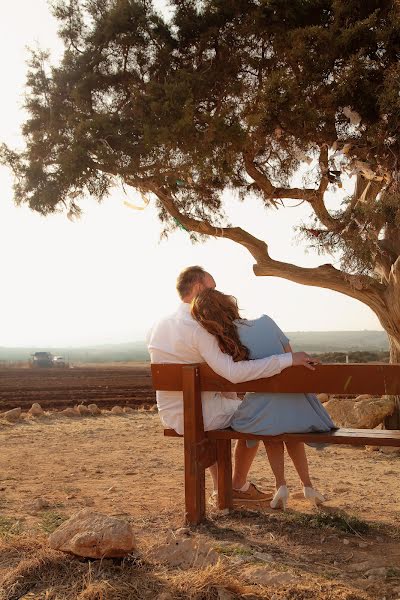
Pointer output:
x,y
264,413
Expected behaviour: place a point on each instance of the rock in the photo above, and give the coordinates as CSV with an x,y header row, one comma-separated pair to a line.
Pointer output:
x,y
69,412
323,398
263,556
93,535
376,573
264,576
40,504
13,414
185,552
183,531
128,410
36,410
389,450
117,410
346,542
94,409
360,414
83,410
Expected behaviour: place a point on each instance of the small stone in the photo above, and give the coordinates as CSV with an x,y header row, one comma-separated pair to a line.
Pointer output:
x,y
389,450
323,398
40,504
186,552
362,545
360,567
264,576
69,412
83,410
36,410
346,542
93,535
263,556
377,572
117,410
128,410
94,409
13,414
183,531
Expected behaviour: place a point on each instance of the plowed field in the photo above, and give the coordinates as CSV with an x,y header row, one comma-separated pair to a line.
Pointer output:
x,y
60,388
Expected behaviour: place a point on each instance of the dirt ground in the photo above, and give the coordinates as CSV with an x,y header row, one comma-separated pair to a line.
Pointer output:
x,y
123,466
126,384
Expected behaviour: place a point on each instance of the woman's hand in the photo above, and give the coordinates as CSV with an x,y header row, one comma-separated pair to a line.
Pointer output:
x,y
302,359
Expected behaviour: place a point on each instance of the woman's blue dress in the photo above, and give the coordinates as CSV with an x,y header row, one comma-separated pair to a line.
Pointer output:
x,y
273,414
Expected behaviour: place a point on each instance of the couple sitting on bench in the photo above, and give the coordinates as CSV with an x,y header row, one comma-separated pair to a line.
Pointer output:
x,y
207,328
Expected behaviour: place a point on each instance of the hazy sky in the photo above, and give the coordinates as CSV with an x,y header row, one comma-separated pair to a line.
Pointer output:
x,y
107,277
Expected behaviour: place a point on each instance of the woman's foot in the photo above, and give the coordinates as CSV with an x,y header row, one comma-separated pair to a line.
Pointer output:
x,y
281,497
313,496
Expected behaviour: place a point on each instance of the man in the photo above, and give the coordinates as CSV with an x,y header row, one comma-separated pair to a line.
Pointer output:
x,y
178,338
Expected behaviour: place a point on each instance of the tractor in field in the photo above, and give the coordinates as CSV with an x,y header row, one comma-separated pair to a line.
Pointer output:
x,y
42,359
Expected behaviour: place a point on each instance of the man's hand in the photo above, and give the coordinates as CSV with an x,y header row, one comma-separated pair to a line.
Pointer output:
x,y
302,359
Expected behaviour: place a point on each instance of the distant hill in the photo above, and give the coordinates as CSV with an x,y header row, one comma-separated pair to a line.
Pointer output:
x,y
309,341
338,341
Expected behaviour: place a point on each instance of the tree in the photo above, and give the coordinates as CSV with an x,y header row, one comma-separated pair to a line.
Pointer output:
x,y
231,94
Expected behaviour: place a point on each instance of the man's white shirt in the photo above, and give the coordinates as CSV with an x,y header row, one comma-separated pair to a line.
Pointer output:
x,y
178,338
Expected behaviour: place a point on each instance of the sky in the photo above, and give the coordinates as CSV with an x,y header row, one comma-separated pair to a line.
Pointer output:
x,y
107,277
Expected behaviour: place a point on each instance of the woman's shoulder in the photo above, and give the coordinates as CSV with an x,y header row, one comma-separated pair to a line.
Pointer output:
x,y
262,320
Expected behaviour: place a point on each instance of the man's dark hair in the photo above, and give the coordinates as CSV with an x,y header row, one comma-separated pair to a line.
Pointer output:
x,y
188,278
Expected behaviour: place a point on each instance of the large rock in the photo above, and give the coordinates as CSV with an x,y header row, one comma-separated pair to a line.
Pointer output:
x,y
93,535
364,413
13,414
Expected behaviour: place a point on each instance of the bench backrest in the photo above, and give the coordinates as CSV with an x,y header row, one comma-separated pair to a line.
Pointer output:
x,y
371,378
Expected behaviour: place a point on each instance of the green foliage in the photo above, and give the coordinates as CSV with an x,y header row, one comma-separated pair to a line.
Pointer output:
x,y
153,103
51,520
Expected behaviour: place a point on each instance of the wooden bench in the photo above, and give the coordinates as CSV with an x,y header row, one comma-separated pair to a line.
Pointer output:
x,y
204,448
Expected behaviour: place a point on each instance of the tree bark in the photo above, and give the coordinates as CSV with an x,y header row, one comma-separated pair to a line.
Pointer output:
x,y
393,421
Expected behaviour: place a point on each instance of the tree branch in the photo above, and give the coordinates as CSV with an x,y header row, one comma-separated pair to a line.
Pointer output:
x,y
315,197
360,287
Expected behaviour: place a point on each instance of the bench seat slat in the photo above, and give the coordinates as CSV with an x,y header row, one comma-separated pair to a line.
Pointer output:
x,y
355,437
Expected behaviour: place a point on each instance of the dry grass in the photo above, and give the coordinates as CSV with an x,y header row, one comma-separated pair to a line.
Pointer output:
x,y
36,572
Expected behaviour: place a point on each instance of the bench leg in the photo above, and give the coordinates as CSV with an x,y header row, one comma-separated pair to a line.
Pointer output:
x,y
194,485
224,461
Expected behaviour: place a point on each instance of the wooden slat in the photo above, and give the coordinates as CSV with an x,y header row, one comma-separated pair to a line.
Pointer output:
x,y
371,378
196,446
353,437
224,458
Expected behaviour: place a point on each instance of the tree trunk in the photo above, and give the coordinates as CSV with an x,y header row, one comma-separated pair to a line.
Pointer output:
x,y
393,421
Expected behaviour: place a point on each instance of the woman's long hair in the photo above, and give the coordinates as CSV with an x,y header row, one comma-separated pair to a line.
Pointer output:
x,y
217,313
